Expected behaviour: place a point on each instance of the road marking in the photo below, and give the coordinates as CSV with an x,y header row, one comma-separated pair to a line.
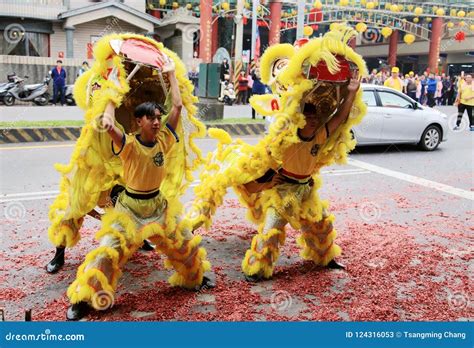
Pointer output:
x,y
413,179
34,147
37,198
343,171
354,173
5,195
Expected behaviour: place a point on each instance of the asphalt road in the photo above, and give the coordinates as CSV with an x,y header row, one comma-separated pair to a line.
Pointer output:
x,y
404,221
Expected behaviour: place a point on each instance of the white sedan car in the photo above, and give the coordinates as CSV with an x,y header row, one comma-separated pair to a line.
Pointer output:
x,y
394,118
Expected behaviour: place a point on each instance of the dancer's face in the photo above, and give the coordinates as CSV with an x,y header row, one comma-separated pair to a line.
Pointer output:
x,y
311,117
150,125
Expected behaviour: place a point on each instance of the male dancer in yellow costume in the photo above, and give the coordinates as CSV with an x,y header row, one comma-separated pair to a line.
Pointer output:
x,y
120,93
316,100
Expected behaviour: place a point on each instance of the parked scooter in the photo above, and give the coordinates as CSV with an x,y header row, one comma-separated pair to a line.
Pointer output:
x,y
37,93
228,93
70,95
5,87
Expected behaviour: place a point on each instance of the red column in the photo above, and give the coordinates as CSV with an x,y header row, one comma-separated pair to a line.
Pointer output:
x,y
155,13
275,18
215,37
205,44
435,41
392,49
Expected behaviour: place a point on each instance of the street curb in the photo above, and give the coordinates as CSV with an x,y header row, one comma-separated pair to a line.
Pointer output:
x,y
29,135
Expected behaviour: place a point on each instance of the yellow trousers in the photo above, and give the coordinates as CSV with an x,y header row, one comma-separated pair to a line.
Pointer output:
x,y
317,238
122,233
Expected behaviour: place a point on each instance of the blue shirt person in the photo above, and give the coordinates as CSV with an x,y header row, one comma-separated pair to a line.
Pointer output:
x,y
58,74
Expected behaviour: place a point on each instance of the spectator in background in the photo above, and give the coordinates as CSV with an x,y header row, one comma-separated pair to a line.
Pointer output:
x,y
465,101
372,77
404,83
193,76
421,89
411,87
431,86
243,86
84,67
257,88
453,91
250,86
446,89
225,70
439,90
58,74
394,81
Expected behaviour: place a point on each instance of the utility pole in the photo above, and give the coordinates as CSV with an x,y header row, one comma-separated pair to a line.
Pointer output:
x,y
255,4
300,20
239,31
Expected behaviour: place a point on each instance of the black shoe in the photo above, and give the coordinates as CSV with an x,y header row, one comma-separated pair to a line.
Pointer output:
x,y
57,262
254,278
147,246
333,264
206,284
77,311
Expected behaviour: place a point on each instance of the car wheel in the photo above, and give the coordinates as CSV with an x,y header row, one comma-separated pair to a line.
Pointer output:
x,y
9,100
430,139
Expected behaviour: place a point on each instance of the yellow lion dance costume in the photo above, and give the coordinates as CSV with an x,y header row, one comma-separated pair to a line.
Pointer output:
x,y
313,72
93,170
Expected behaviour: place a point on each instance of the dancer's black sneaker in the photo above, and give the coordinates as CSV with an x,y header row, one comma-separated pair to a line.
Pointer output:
x,y
78,311
147,246
57,262
254,278
333,264
205,285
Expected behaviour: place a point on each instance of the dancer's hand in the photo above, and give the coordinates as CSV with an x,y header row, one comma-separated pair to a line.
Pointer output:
x,y
354,84
107,122
277,179
169,66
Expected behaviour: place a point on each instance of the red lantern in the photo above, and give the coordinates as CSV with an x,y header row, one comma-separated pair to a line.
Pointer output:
x,y
315,15
460,36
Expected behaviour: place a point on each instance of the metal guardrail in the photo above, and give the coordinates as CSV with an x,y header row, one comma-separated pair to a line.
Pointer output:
x,y
373,20
378,17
